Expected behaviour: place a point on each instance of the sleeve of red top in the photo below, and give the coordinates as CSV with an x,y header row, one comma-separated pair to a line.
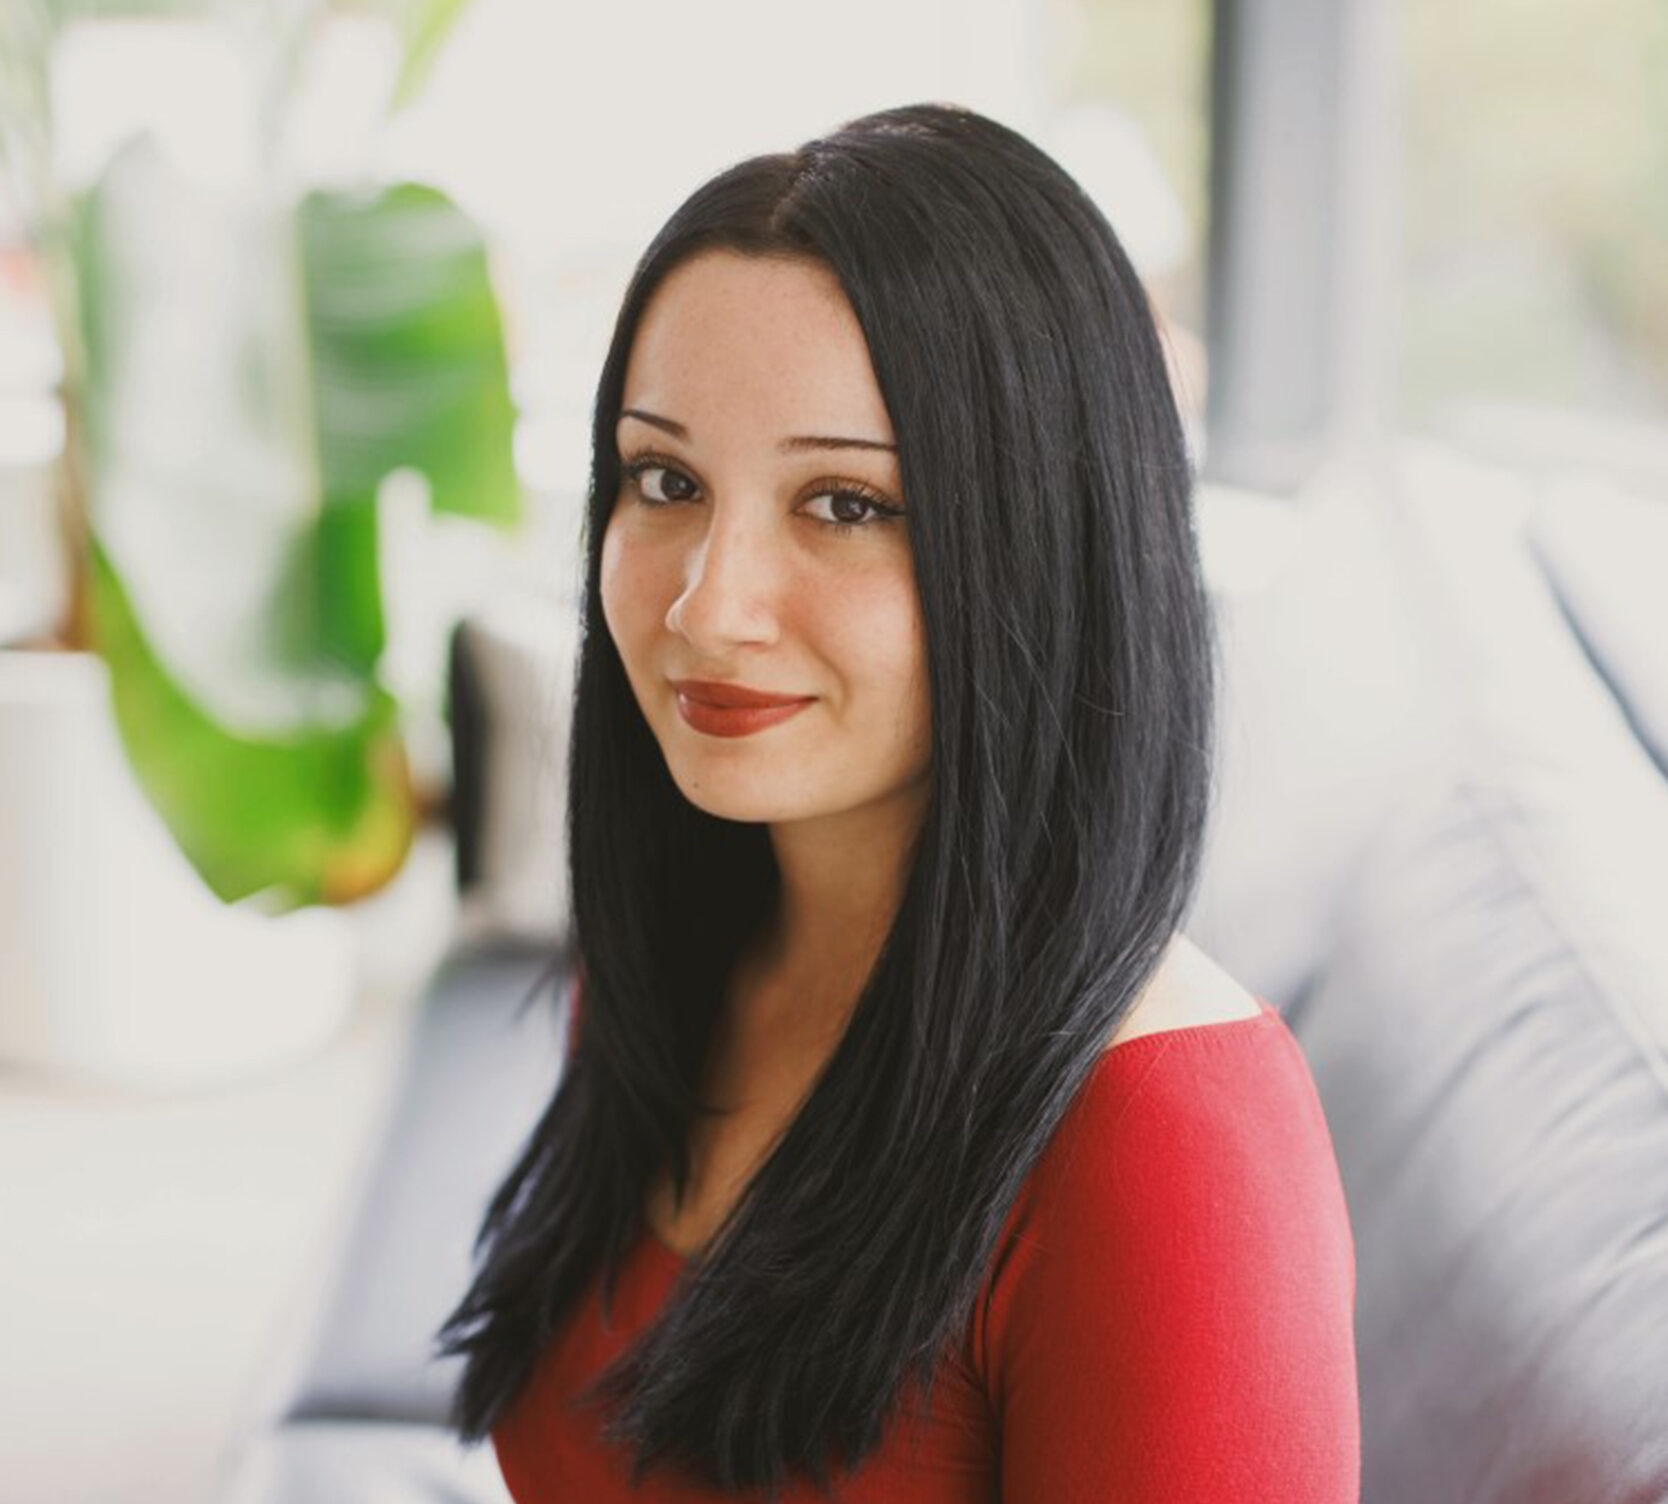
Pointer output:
x,y
1174,1315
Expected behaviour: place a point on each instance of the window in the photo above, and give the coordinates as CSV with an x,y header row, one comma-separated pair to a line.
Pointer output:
x,y
1536,236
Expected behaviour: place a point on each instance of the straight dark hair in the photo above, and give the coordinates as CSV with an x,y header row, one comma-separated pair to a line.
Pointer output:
x,y
1071,654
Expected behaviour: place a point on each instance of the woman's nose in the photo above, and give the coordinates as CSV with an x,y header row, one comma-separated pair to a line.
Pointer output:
x,y
729,580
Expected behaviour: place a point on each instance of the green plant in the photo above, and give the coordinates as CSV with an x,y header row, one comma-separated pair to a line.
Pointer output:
x,y
243,369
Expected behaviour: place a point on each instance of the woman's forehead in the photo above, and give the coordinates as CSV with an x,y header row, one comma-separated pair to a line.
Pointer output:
x,y
728,336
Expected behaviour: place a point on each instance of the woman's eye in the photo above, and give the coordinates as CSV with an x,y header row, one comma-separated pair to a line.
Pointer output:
x,y
661,484
850,508
671,485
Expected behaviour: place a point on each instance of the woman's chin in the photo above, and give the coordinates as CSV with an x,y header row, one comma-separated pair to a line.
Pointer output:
x,y
738,799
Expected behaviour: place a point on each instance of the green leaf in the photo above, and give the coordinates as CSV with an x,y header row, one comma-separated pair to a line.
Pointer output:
x,y
408,354
424,26
197,411
408,371
321,815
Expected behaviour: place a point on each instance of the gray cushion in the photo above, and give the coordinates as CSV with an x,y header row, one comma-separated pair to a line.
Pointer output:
x,y
329,1462
512,691
480,1069
1335,694
1604,553
1490,1042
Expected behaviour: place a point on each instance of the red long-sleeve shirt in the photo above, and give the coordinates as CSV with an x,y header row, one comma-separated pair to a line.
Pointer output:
x,y
1167,1319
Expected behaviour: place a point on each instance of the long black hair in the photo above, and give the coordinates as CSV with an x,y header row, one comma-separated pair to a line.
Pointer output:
x,y
1071,667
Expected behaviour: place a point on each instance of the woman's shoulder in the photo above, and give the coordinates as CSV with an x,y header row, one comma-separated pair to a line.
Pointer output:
x,y
1202,1078
1203,1090
1189,1190
1188,990
1183,1245
1198,1135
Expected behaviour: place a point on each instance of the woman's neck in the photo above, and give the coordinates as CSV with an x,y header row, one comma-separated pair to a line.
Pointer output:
x,y
841,879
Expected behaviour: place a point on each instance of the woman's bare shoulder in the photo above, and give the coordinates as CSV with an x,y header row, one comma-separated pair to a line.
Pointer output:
x,y
1189,988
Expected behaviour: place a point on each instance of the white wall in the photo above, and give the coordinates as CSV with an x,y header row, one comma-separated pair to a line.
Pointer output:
x,y
566,125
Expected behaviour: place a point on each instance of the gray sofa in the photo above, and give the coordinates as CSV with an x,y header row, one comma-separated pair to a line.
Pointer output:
x,y
1441,848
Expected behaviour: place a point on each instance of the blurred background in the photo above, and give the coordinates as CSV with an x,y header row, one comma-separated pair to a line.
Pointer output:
x,y
301,309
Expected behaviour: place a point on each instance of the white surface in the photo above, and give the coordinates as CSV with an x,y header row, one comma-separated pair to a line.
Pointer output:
x,y
117,961
156,1252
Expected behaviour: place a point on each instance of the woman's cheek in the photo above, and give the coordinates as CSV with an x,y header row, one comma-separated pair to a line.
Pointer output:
x,y
877,622
895,609
623,601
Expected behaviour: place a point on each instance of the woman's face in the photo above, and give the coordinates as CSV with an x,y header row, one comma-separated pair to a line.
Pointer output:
x,y
758,542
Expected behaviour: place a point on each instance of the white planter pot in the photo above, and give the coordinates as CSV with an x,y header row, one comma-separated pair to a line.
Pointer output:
x,y
117,962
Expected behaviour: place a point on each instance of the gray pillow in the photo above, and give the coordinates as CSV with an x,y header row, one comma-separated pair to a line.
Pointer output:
x,y
355,1462
484,1059
1490,1042
1335,693
1604,552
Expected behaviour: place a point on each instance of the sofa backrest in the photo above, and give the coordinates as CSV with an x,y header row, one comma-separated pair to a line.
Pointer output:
x,y
1336,694
1489,1036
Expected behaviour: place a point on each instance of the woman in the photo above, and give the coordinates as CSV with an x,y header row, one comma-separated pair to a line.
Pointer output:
x,y
905,1147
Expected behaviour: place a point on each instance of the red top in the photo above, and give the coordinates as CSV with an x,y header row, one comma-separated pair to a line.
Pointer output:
x,y
1169,1316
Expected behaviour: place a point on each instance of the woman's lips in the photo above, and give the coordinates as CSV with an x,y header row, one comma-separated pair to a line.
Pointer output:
x,y
734,720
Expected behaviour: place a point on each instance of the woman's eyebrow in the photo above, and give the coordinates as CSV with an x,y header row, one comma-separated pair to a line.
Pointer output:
x,y
787,446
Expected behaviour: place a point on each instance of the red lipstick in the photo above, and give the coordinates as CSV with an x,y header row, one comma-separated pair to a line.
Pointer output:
x,y
733,709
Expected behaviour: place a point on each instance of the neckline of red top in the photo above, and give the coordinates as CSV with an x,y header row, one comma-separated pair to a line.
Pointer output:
x,y
1266,1017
